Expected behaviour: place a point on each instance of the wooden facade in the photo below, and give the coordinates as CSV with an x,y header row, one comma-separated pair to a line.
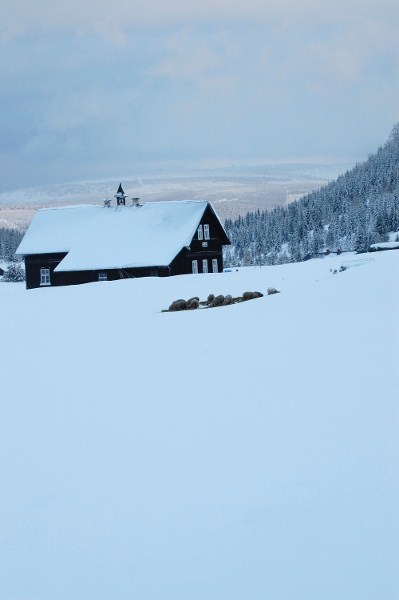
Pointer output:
x,y
202,255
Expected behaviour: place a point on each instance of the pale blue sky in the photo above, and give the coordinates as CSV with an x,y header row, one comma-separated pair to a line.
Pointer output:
x,y
118,89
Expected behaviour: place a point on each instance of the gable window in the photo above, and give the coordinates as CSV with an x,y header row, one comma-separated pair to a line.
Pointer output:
x,y
102,277
195,267
215,268
206,232
200,233
45,277
205,266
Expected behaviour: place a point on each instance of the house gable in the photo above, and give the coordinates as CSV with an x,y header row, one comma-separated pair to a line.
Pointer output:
x,y
210,232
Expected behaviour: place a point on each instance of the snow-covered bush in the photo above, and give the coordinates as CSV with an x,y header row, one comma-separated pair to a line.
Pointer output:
x,y
14,272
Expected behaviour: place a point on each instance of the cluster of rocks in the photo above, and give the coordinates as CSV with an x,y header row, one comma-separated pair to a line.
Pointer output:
x,y
212,301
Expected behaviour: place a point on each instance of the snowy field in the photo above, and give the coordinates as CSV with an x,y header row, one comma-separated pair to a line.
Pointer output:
x,y
247,452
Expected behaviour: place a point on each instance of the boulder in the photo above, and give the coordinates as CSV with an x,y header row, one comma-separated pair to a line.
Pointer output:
x,y
218,301
193,303
248,296
178,305
272,290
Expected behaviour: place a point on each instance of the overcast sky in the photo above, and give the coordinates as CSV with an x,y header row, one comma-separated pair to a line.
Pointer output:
x,y
100,89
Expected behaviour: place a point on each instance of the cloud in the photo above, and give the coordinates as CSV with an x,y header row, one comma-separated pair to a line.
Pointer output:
x,y
188,63
21,17
90,86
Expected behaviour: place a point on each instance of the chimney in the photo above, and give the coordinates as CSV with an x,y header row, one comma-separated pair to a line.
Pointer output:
x,y
135,202
107,203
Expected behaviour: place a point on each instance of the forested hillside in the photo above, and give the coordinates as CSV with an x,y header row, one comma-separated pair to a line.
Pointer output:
x,y
9,242
356,210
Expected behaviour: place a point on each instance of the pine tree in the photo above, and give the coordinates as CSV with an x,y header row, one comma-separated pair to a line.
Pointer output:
x,y
14,272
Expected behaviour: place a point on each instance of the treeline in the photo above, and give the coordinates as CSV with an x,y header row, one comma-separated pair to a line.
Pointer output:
x,y
360,208
9,242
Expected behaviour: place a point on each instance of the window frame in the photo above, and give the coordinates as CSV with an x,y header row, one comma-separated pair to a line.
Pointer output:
x,y
102,276
215,264
45,279
207,234
200,232
205,266
194,267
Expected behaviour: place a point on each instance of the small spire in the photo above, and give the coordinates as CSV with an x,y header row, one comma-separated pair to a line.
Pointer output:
x,y
120,196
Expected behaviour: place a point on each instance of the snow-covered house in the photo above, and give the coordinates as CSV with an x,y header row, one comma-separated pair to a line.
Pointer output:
x,y
81,244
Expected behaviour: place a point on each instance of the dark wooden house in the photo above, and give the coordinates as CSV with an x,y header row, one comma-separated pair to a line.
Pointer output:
x,y
82,244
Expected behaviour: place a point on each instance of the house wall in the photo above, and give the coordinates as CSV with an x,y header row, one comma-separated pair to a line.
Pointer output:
x,y
207,249
34,263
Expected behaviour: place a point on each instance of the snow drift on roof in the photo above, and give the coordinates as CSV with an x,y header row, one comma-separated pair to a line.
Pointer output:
x,y
98,237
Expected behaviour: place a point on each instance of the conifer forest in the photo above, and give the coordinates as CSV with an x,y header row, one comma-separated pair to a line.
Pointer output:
x,y
356,210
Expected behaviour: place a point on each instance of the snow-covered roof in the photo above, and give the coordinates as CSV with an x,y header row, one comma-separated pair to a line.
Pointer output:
x,y
98,237
385,245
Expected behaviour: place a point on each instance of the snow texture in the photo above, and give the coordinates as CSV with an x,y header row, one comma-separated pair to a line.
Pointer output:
x,y
247,452
97,237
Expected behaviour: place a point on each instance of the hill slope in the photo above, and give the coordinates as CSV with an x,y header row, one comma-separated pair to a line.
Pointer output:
x,y
360,208
238,453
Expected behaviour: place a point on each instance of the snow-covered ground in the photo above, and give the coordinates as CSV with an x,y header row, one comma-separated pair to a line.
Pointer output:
x,y
247,452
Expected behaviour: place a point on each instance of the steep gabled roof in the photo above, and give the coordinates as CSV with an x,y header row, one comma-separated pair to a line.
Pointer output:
x,y
97,237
